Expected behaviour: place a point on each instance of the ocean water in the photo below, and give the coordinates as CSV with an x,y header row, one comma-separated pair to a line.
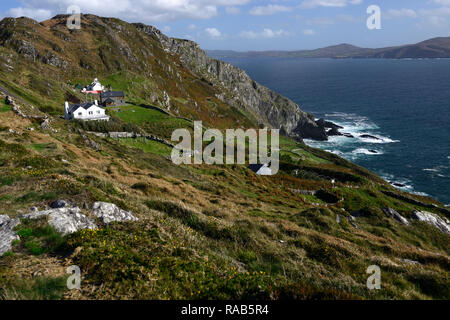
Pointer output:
x,y
405,103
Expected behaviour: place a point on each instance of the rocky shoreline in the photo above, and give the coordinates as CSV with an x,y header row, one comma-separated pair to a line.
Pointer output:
x,y
325,129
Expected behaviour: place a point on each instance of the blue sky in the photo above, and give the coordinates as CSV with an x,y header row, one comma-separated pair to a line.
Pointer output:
x,y
264,24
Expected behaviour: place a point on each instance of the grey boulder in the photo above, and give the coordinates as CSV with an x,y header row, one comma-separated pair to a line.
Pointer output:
x,y
432,219
64,220
109,212
7,234
397,216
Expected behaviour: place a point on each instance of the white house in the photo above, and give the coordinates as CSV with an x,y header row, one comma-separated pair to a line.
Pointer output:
x,y
85,111
94,88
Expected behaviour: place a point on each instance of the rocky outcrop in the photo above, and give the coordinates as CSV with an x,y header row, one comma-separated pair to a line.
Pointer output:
x,y
368,136
411,262
109,212
117,135
432,219
332,129
64,220
394,214
88,142
11,37
9,100
32,112
241,91
310,130
334,132
7,234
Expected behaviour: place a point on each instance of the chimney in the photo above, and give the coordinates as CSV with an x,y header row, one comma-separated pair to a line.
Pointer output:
x,y
66,111
96,102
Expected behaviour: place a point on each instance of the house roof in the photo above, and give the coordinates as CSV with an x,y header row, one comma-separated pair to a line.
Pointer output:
x,y
74,107
255,167
112,94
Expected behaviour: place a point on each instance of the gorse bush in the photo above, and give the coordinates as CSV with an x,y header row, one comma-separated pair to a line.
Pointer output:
x,y
124,255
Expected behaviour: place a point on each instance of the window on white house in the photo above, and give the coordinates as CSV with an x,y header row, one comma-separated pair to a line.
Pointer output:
x,y
80,114
91,112
98,112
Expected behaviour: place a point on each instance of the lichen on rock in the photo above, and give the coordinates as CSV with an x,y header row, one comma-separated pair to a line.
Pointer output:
x,y
7,234
109,212
64,220
432,219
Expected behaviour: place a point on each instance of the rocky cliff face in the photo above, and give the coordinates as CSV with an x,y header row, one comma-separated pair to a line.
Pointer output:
x,y
241,91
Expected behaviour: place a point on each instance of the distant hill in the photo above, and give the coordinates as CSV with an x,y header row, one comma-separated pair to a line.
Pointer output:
x,y
433,48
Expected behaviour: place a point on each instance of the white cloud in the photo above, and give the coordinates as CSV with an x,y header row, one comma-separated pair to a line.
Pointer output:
x,y
438,18
269,10
320,21
442,2
438,22
166,29
232,10
394,13
349,18
309,32
443,11
265,34
192,27
130,10
213,33
308,4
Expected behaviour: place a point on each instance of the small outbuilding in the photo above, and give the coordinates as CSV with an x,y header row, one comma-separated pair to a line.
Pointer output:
x,y
112,98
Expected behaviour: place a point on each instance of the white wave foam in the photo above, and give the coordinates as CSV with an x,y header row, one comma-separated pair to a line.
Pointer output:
x,y
423,194
367,152
337,152
351,122
438,171
358,125
377,139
